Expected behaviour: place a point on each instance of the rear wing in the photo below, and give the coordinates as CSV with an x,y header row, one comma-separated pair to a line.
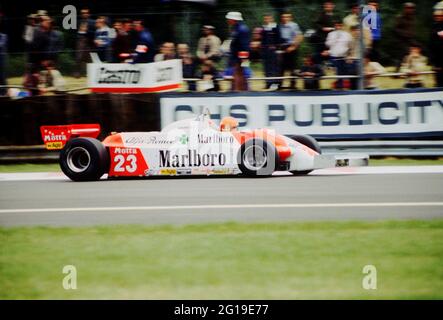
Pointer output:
x,y
55,137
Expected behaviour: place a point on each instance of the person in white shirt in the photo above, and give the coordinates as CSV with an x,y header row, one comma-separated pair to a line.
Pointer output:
x,y
414,63
209,45
354,56
28,33
167,52
339,43
371,70
50,79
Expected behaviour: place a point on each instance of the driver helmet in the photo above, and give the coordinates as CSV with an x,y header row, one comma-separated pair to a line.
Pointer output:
x,y
228,124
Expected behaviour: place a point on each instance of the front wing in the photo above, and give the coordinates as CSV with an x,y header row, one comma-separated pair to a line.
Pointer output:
x,y
345,160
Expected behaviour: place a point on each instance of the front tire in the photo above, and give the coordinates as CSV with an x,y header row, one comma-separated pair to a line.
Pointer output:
x,y
257,158
84,159
311,143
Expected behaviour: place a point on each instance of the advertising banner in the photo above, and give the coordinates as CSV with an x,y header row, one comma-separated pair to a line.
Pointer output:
x,y
325,115
135,78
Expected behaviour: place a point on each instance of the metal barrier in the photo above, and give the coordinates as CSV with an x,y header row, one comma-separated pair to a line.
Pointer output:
x,y
230,78
331,77
416,149
410,149
26,154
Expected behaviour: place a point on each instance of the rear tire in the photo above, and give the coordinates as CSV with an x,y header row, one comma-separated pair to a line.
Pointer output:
x,y
310,142
84,159
257,158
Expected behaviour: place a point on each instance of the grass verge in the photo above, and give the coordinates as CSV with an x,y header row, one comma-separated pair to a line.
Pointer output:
x,y
405,162
220,261
29,167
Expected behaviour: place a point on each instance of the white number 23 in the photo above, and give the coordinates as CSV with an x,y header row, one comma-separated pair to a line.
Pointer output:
x,y
121,161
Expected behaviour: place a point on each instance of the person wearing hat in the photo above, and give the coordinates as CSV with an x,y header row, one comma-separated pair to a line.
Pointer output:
x,y
41,13
436,44
239,49
208,45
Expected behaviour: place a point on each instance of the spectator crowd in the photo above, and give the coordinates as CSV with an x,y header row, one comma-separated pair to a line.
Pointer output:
x,y
334,43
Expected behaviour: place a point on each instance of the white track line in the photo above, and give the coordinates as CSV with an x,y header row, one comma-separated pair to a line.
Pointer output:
x,y
32,176
380,170
229,206
45,176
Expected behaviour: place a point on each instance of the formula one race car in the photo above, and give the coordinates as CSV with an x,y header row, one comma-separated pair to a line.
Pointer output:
x,y
187,147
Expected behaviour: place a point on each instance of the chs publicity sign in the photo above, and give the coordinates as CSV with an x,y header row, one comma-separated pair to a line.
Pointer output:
x,y
135,78
382,114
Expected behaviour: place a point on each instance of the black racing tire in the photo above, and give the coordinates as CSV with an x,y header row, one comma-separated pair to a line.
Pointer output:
x,y
84,159
265,166
310,142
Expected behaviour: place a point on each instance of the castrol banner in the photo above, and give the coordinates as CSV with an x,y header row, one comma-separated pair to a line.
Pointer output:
x,y
135,78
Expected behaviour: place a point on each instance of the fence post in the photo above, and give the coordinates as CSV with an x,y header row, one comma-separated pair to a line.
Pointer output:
x,y
361,79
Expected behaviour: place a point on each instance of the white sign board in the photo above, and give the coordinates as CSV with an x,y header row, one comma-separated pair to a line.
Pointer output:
x,y
382,114
135,78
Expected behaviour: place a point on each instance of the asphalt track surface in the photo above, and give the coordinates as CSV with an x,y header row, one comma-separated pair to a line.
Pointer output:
x,y
374,194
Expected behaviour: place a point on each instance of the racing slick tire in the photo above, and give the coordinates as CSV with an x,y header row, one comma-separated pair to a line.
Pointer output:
x,y
310,142
84,159
257,158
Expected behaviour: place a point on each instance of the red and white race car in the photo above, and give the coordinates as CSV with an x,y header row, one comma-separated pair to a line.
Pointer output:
x,y
187,147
